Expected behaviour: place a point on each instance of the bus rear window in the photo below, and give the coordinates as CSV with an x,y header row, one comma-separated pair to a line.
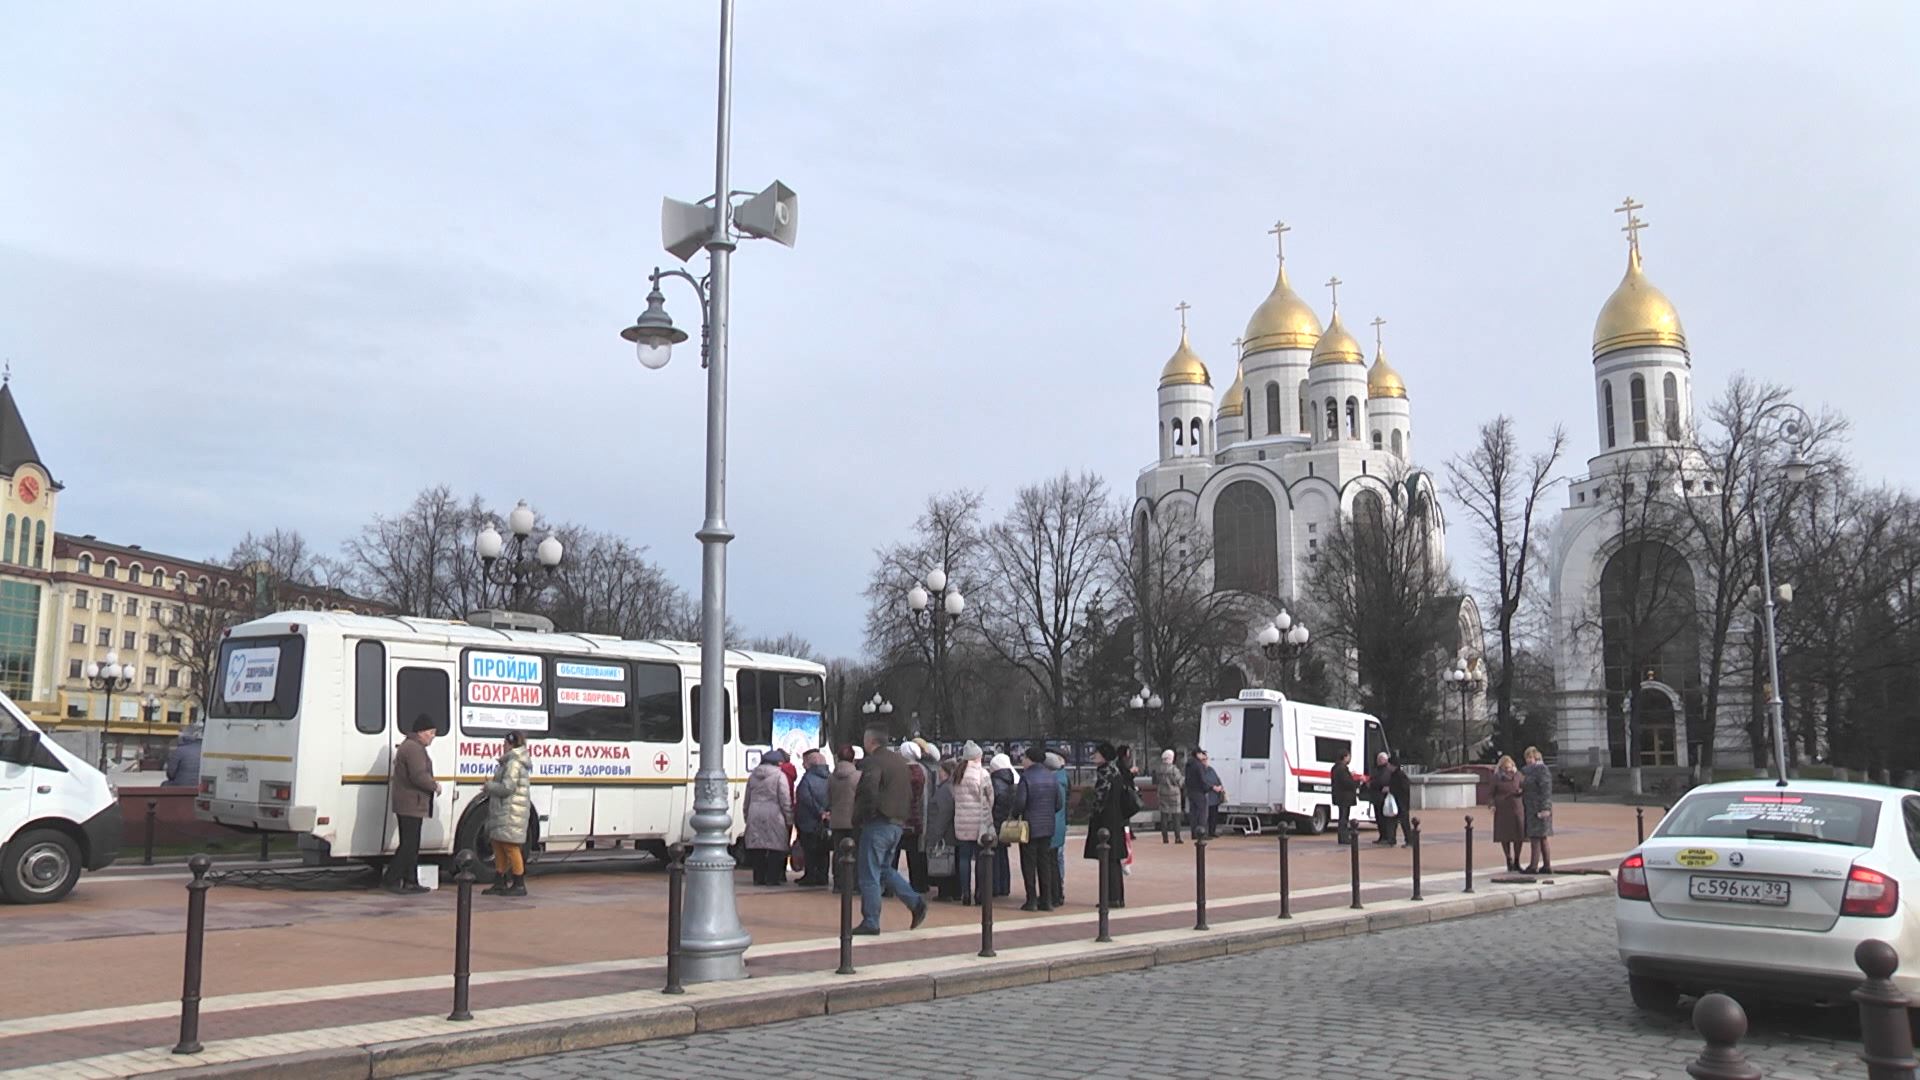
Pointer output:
x,y
258,678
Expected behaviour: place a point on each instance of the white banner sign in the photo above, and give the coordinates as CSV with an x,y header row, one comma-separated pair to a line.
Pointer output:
x,y
252,674
502,719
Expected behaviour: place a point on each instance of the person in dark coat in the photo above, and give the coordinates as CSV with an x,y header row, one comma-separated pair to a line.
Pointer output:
x,y
1536,804
183,761
880,806
1401,789
1111,805
1008,799
1509,820
811,813
411,789
940,836
1377,795
1346,793
840,790
1204,793
1037,863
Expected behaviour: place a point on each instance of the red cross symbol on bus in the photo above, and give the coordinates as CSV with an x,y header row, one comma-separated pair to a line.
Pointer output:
x,y
1225,718
661,761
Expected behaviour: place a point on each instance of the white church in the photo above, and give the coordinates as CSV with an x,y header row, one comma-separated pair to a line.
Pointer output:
x,y
1307,430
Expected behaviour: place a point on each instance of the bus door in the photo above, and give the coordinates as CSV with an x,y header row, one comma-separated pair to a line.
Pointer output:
x,y
1255,785
1376,739
732,757
418,686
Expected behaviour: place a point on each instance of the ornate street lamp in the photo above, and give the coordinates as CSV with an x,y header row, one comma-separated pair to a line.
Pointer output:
x,y
150,705
877,705
1787,423
512,573
112,677
1284,640
1465,680
713,943
927,618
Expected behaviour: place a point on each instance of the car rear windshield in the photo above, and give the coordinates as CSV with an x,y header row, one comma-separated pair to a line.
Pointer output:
x,y
1742,815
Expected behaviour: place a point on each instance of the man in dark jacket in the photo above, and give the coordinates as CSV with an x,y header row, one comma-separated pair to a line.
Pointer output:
x,y
880,807
1346,793
1204,793
1377,795
1401,789
1037,862
410,790
810,816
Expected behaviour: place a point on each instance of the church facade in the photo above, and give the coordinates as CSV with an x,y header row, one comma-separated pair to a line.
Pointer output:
x,y
1307,432
1623,580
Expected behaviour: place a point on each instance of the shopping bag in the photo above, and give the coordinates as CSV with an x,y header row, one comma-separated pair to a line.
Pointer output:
x,y
1390,806
940,862
797,858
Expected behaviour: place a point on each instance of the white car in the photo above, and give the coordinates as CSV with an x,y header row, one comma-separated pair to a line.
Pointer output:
x,y
1753,888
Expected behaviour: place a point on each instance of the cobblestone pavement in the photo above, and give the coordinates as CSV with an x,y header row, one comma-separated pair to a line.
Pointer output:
x,y
1536,992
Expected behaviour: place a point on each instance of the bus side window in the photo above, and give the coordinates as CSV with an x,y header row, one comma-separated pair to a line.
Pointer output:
x,y
726,717
759,697
1256,734
423,690
656,697
370,688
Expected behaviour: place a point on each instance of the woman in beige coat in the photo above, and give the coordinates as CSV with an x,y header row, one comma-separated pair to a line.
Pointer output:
x,y
972,817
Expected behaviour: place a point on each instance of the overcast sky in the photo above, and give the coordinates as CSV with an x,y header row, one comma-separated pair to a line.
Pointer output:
x,y
267,266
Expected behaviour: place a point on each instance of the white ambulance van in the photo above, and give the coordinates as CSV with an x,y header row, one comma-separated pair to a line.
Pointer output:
x,y
58,814
1275,758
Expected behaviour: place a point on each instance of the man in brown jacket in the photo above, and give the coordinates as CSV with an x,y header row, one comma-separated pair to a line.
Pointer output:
x,y
411,788
880,807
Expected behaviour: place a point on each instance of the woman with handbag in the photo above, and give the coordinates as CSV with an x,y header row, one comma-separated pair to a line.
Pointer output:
x,y
972,819
1036,850
1113,804
1007,799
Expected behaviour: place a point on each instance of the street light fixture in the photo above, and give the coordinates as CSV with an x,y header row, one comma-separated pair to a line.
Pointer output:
x,y
1284,640
1465,679
926,619
1788,423
877,704
512,574
112,677
713,942
151,706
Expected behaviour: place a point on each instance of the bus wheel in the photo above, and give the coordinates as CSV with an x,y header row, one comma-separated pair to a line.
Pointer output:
x,y
472,835
1315,825
40,866
655,848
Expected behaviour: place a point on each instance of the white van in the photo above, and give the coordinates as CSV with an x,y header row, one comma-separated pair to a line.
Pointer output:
x,y
308,706
1288,779
58,814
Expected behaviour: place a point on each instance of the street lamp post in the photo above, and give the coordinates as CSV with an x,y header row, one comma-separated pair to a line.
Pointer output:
x,y
713,943
149,705
511,575
926,616
1465,680
112,677
1787,423
1285,640
1146,705
876,705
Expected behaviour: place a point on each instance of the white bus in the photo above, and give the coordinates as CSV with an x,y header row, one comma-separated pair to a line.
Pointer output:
x,y
1275,758
308,706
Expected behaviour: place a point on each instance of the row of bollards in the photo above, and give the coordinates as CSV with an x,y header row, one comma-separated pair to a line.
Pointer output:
x,y
1886,1033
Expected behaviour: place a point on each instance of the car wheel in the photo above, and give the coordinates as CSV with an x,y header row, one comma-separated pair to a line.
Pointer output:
x,y
1317,824
1652,995
41,866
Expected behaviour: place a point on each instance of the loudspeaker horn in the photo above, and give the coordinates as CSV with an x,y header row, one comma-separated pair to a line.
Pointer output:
x,y
685,228
774,214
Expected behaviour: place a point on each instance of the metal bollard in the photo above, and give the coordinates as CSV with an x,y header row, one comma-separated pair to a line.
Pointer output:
x,y
1286,878
1353,846
1721,1021
676,915
1469,887
152,810
1886,1038
844,859
1200,884
1413,841
462,935
987,843
266,839
196,943
1639,824
1102,849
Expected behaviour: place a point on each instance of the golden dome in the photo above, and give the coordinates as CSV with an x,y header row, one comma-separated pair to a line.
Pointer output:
x,y
1336,346
1383,381
1637,315
1235,403
1282,321
1184,368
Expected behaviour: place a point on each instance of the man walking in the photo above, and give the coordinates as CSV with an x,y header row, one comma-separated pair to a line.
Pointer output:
x,y
1167,784
880,807
1377,794
410,789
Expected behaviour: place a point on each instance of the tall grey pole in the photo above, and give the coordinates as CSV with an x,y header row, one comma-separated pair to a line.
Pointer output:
x,y
1774,708
713,944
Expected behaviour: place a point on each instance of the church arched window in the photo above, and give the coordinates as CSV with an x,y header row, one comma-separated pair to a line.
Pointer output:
x,y
1606,399
1333,419
1246,541
1369,510
1378,440
1273,408
1306,415
1672,406
1399,447
1353,418
1193,437
1637,397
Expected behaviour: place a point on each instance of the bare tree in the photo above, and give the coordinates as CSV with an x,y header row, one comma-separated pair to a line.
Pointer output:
x,y
421,561
1501,493
1045,561
947,535
284,555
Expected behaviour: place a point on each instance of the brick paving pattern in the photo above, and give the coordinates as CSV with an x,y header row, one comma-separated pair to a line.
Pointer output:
x,y
1536,992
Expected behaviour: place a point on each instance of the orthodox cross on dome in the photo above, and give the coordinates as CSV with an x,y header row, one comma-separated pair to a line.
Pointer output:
x,y
6,374
1237,342
1183,307
1333,286
1378,322
1634,224
1279,233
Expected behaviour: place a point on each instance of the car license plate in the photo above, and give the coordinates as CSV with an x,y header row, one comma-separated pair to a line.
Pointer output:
x,y
236,774
1769,891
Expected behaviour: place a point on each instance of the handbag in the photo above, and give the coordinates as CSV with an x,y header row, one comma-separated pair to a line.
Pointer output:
x,y
941,862
1390,806
1013,831
797,857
